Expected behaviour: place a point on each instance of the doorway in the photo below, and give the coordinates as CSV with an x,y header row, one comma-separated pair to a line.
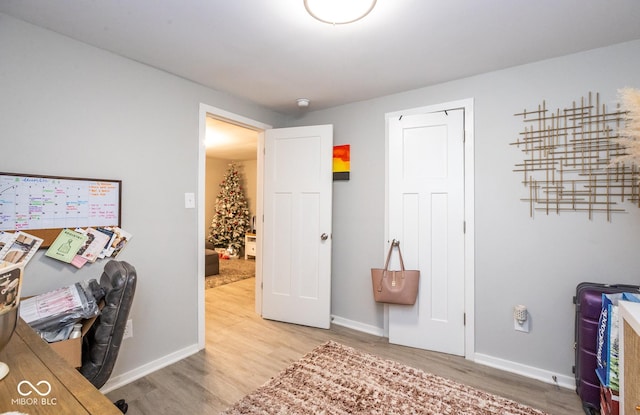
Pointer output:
x,y
229,120
231,159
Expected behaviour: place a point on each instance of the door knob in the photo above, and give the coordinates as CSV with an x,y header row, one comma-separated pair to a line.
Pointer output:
x,y
324,236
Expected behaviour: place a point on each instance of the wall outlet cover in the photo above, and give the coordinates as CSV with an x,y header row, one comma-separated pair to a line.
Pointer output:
x,y
524,327
128,330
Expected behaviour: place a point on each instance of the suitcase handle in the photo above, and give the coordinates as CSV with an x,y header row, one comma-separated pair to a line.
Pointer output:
x,y
623,287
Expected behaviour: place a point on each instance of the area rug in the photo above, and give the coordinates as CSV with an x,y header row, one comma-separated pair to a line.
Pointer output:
x,y
232,270
337,379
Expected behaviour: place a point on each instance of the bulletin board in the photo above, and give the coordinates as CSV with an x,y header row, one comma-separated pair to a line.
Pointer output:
x,y
44,205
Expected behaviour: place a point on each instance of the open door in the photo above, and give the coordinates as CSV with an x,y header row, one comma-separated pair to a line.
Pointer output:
x,y
296,244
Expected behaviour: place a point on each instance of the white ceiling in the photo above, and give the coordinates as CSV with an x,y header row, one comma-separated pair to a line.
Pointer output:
x,y
230,142
272,52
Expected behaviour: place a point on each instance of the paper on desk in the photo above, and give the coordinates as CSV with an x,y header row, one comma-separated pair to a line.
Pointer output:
x,y
96,242
19,247
5,238
53,303
65,246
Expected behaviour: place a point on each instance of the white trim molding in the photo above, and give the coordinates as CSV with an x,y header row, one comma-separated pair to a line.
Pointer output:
x,y
542,375
119,381
356,325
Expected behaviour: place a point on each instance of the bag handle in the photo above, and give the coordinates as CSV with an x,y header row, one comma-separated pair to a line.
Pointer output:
x,y
394,244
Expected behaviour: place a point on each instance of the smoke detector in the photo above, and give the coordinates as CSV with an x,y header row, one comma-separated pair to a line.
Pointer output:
x,y
303,102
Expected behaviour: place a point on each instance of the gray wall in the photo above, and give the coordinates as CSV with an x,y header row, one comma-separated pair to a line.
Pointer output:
x,y
73,110
537,262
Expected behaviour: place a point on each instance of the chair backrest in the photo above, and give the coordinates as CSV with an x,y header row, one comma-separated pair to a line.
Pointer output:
x,y
102,343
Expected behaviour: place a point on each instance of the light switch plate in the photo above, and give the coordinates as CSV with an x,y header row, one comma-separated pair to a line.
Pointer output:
x,y
189,200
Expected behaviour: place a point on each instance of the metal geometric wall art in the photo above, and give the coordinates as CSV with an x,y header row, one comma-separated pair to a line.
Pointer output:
x,y
567,165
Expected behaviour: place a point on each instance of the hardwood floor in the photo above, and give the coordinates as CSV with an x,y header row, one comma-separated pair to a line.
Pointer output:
x,y
243,351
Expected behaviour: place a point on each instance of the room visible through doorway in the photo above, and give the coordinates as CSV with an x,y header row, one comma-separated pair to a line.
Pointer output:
x,y
228,143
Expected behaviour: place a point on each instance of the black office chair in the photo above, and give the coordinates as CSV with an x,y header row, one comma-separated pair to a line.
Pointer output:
x,y
102,343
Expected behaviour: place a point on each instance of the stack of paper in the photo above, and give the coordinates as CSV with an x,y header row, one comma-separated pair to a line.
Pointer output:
x,y
58,308
79,246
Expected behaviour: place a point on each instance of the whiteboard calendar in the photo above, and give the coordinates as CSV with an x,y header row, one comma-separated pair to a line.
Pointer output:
x,y
29,202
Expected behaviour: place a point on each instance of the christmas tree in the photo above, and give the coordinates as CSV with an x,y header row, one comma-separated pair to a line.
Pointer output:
x,y
231,220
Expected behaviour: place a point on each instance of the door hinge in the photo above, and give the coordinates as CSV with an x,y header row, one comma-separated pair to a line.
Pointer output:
x,y
464,319
464,226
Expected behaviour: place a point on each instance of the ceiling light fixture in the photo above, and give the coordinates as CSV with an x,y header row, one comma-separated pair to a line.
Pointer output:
x,y
303,102
339,11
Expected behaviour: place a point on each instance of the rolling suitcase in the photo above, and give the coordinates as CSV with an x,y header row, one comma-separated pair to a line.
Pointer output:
x,y
588,304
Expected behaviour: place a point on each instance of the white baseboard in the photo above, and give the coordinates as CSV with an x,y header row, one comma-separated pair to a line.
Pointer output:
x,y
121,380
356,325
546,376
139,372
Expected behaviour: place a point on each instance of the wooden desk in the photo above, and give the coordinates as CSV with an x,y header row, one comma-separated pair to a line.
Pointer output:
x,y
31,359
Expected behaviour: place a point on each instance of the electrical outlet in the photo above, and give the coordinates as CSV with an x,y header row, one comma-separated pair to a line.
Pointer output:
x,y
524,326
128,329
521,318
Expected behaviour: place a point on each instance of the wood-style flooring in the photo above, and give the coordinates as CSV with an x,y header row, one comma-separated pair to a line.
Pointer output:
x,y
243,351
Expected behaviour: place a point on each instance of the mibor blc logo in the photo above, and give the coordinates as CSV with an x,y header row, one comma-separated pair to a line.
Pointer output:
x,y
33,395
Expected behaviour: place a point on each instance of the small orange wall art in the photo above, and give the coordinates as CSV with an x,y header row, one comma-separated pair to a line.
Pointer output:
x,y
341,162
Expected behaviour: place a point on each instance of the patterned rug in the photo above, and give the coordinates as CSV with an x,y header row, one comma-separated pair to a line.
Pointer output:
x,y
232,270
337,379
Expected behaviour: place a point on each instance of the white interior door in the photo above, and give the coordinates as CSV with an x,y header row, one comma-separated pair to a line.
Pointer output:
x,y
426,214
296,250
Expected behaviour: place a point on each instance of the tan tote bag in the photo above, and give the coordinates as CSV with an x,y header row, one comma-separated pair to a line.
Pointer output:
x,y
395,287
